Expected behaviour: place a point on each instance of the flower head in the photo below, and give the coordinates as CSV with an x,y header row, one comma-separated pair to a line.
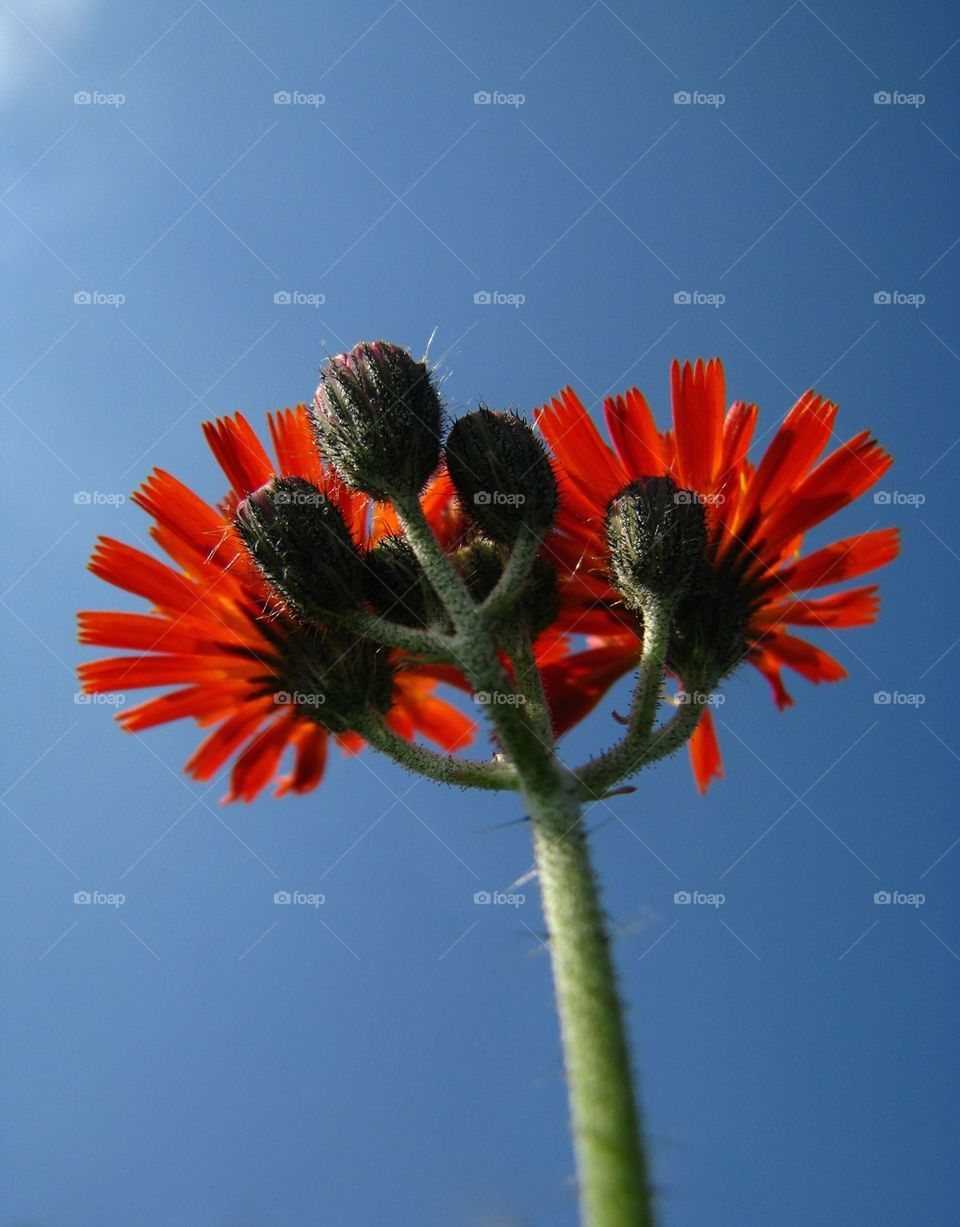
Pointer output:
x,y
379,419
240,662
751,582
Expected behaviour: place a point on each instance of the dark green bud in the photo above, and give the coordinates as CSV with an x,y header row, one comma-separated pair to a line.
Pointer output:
x,y
502,474
481,564
378,420
397,586
299,540
657,536
333,677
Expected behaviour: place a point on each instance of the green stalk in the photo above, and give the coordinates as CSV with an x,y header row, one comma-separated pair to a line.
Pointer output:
x,y
612,1172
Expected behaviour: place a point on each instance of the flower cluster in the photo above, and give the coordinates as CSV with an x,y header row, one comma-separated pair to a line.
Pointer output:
x,y
345,576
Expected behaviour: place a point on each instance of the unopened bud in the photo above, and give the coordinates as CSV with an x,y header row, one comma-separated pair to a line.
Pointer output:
x,y
657,535
336,678
536,605
378,420
502,474
299,540
397,586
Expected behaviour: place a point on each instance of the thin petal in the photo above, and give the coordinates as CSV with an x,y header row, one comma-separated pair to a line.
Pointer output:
x,y
634,434
846,559
705,753
239,453
311,759
698,410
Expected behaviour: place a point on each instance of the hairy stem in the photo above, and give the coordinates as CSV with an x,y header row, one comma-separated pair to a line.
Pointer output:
x,y
445,768
515,573
611,1164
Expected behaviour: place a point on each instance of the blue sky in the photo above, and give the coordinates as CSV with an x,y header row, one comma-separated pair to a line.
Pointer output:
x,y
391,1056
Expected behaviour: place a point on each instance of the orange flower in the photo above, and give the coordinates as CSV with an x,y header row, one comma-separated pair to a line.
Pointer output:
x,y
757,516
217,634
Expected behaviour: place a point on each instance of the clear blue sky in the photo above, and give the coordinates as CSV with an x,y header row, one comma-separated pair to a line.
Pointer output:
x,y
197,1056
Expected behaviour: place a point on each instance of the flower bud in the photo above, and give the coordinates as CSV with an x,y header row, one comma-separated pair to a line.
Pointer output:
x,y
335,678
397,586
481,564
378,420
298,539
502,474
657,535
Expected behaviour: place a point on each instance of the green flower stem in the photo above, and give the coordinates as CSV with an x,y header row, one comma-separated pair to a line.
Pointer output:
x,y
445,768
472,647
640,744
649,687
440,571
611,1166
530,685
412,639
626,758
515,573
